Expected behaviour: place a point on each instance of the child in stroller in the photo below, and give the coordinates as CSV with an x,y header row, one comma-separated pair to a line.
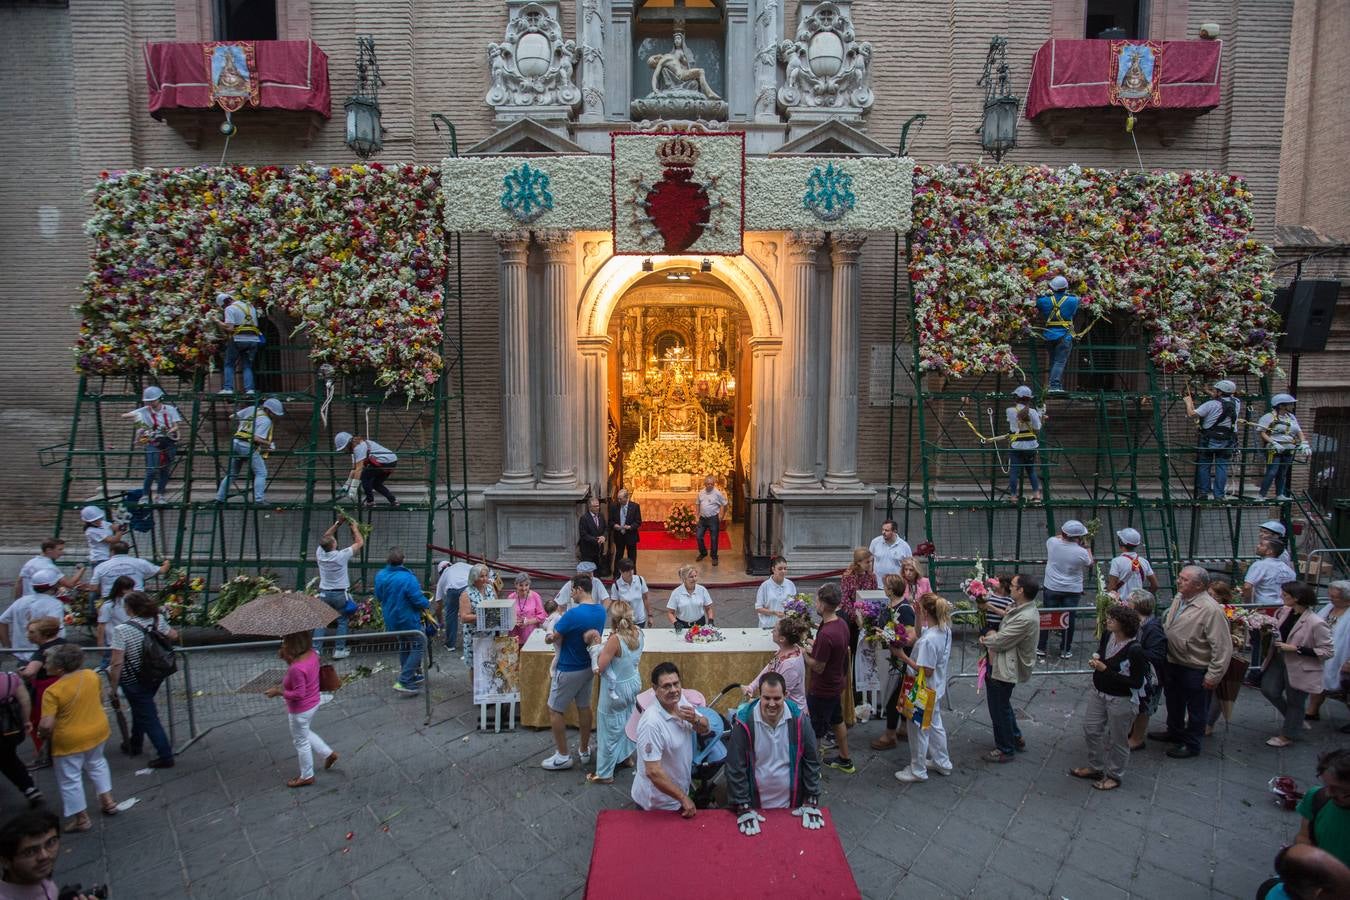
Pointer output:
x,y
710,750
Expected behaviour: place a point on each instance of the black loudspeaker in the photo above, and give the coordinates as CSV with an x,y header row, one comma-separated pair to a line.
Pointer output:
x,y
1307,308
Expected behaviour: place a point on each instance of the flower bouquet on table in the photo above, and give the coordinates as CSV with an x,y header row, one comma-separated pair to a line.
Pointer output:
x,y
680,521
180,598
703,634
876,622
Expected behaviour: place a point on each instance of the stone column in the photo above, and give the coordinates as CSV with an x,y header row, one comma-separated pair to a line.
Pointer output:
x,y
768,31
513,248
593,468
799,438
765,356
618,44
591,38
841,461
559,360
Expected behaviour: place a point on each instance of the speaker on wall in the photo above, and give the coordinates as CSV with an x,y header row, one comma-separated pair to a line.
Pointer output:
x,y
1307,308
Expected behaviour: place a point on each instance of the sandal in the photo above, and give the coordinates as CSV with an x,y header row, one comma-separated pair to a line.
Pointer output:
x,y
592,778
330,761
1279,741
298,782
1086,772
1135,748
882,744
80,823
109,809
1106,784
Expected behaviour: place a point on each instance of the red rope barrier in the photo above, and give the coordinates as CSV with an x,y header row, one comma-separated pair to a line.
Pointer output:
x,y
554,576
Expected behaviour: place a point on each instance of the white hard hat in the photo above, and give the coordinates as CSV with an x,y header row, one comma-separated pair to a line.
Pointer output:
x,y
1024,392
1129,537
1074,528
340,442
151,394
1224,386
1274,527
273,405
1059,283
47,575
224,298
91,514
1282,399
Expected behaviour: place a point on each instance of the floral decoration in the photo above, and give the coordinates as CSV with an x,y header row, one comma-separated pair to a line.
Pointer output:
x,y
646,185
1169,249
180,598
680,521
476,192
784,193
367,617
703,634
652,457
237,591
355,255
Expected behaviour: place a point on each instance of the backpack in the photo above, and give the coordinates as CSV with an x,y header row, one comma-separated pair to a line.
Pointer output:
x,y
1224,429
157,658
11,714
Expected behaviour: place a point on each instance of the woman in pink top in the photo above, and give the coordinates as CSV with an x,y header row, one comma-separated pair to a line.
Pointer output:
x,y
915,584
789,634
300,688
529,609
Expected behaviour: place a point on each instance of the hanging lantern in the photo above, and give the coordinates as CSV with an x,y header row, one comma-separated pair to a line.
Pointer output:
x,y
365,134
998,127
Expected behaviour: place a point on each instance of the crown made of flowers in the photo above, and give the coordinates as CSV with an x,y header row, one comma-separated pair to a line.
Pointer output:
x,y
677,152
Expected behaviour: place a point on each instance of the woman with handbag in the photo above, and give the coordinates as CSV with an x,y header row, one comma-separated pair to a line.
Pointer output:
x,y
932,653
1118,670
300,688
901,597
1292,670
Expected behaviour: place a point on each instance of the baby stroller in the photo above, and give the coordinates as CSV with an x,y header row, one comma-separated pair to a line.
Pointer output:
x,y
710,750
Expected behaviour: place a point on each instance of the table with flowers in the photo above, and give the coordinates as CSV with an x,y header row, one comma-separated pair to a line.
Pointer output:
x,y
706,668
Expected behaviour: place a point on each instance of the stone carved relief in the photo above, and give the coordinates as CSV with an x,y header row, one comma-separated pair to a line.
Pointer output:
x,y
680,88
593,254
766,254
827,68
532,66
766,59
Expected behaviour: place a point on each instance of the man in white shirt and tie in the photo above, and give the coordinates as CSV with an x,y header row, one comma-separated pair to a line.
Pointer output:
x,y
711,502
889,550
625,518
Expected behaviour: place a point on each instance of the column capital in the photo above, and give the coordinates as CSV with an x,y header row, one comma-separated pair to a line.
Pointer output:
x,y
846,246
804,243
512,242
766,343
594,343
554,241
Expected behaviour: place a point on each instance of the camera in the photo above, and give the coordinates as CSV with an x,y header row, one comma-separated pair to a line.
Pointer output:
x,y
69,892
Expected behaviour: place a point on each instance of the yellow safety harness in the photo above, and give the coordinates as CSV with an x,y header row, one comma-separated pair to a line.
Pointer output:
x,y
247,426
1056,319
250,324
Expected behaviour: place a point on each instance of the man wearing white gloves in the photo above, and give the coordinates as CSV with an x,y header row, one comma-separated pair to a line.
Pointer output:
x,y
252,437
372,464
772,762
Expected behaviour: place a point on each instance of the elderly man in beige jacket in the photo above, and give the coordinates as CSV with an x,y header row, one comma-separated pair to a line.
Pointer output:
x,y
1199,648
1012,654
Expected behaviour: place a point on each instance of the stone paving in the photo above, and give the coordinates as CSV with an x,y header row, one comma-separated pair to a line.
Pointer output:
x,y
443,810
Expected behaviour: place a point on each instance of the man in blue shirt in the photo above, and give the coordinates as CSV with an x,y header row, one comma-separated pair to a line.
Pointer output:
x,y
401,601
572,682
1059,308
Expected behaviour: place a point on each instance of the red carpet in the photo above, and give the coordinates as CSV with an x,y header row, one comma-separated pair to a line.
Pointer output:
x,y
708,857
655,537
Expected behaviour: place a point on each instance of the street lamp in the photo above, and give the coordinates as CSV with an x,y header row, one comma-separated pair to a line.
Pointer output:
x,y
998,128
364,131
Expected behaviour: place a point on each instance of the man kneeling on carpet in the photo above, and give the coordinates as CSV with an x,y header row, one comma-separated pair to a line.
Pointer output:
x,y
773,762
665,746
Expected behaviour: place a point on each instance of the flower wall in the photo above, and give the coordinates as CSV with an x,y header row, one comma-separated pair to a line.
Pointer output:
x,y
1171,249
355,255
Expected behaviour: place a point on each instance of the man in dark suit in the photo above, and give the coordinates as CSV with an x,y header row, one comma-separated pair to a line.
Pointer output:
x,y
591,543
625,517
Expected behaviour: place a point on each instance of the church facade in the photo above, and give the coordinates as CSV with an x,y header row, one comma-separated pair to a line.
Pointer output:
x,y
591,366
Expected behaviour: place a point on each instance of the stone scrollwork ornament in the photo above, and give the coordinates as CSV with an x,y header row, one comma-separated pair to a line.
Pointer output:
x,y
826,66
533,65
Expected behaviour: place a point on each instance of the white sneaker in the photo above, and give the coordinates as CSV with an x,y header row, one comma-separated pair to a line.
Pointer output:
x,y
941,770
584,756
908,777
341,654
557,762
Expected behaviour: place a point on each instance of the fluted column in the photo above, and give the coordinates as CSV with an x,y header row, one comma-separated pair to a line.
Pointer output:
x,y
513,252
591,40
841,460
560,360
799,461
593,468
765,356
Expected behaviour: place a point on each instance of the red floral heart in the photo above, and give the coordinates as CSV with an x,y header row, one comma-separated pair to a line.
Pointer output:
x,y
679,209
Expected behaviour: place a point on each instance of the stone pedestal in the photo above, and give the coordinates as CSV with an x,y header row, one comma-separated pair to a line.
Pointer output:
x,y
819,529
802,119
534,527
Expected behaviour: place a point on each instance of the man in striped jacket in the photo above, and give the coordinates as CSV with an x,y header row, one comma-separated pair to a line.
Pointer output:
x,y
773,761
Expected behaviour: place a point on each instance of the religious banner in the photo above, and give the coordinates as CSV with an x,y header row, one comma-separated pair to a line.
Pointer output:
x,y
866,193
503,193
678,193
233,74
1135,74
496,668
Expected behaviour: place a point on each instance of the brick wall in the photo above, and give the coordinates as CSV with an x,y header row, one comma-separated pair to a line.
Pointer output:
x,y
83,98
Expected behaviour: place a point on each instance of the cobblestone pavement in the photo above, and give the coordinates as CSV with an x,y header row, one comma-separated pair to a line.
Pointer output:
x,y
443,810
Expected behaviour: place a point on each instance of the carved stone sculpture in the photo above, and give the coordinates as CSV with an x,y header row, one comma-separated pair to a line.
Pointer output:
x,y
680,89
827,68
532,66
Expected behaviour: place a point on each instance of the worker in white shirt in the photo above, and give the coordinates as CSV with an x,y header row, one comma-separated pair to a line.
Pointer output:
x,y
52,549
1283,437
335,581
889,550
1275,529
42,602
454,578
158,432
252,436
245,339
711,503
123,563
372,464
